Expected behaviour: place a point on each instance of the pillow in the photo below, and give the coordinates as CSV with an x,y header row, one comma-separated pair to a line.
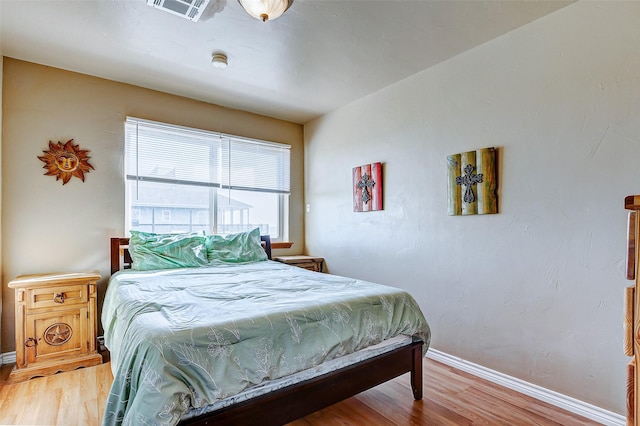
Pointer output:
x,y
166,251
235,248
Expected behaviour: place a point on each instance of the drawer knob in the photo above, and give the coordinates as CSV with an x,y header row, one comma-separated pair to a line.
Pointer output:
x,y
30,342
58,298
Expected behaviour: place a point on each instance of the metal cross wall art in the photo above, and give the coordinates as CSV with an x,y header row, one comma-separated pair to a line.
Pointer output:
x,y
468,180
367,187
364,184
479,195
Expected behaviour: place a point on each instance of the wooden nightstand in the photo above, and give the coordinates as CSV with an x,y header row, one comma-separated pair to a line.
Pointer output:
x,y
56,323
311,263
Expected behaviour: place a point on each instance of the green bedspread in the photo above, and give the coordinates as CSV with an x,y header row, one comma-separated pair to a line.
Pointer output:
x,y
188,337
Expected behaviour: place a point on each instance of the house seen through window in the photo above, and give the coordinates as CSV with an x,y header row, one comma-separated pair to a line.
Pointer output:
x,y
188,180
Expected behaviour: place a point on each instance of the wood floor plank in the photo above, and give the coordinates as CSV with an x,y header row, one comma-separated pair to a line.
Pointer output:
x,y
451,398
429,407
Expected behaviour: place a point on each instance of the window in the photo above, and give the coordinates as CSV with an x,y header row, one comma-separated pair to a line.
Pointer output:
x,y
187,180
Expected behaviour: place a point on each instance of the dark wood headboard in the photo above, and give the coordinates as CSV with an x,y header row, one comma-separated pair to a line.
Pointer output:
x,y
121,258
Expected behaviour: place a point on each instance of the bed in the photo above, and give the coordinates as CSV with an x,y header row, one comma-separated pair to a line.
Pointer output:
x,y
223,343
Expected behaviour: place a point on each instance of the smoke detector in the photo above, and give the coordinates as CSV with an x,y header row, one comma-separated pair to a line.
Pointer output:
x,y
219,60
188,9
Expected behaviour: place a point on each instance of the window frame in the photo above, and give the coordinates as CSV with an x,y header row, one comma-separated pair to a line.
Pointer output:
x,y
282,203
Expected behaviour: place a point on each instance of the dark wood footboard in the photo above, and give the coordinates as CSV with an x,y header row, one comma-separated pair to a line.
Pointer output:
x,y
298,400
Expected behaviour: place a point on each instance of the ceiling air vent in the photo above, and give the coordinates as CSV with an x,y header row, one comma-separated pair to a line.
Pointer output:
x,y
188,9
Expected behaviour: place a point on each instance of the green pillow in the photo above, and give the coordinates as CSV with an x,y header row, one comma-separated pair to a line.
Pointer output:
x,y
235,248
166,251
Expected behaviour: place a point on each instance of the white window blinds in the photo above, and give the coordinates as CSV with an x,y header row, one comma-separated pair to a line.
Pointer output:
x,y
163,153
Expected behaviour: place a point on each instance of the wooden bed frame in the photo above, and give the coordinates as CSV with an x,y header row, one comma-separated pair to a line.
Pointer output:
x,y
303,398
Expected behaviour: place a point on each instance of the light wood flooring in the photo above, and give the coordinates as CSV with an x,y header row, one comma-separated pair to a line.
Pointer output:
x,y
451,397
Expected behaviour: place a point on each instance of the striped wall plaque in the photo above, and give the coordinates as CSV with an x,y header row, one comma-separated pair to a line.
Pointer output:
x,y
472,182
367,187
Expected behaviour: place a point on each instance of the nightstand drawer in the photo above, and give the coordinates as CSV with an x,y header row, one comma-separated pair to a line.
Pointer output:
x,y
48,297
311,263
312,266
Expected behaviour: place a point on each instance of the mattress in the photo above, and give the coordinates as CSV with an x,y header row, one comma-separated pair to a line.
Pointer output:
x,y
310,373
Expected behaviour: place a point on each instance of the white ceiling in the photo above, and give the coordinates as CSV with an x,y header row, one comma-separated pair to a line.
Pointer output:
x,y
320,55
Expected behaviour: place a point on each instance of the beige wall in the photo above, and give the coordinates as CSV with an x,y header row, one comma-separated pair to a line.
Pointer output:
x,y
51,227
536,291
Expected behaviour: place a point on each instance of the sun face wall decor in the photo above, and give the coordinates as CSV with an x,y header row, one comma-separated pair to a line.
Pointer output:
x,y
367,187
66,160
472,182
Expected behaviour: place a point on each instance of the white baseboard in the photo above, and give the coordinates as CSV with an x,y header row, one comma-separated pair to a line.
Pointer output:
x,y
565,402
8,358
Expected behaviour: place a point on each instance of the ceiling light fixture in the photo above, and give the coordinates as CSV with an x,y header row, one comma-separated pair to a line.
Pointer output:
x,y
219,60
265,9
